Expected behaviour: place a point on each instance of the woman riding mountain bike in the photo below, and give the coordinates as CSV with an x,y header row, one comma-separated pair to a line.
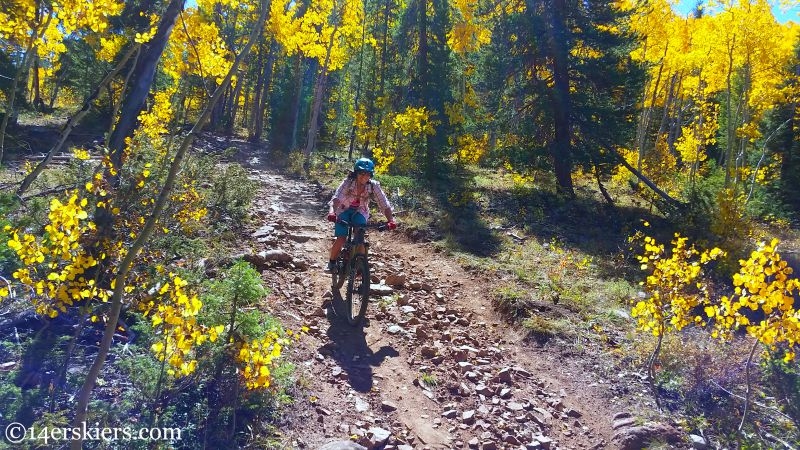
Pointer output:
x,y
350,204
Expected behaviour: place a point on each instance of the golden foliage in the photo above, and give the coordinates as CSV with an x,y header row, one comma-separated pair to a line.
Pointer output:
x,y
173,314
327,30
763,284
697,61
414,122
470,149
673,288
196,48
467,34
55,264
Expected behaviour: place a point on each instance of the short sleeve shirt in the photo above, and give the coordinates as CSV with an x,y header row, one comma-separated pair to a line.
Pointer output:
x,y
347,194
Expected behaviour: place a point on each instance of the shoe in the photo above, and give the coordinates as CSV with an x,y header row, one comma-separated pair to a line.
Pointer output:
x,y
331,267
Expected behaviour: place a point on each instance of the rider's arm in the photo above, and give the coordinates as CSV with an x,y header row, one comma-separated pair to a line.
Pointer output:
x,y
333,205
383,202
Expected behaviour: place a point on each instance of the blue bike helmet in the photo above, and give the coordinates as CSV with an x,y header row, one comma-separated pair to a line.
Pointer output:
x,y
366,165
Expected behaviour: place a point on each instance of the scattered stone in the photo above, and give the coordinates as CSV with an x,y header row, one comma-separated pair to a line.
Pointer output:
x,y
459,355
428,351
276,255
380,289
408,309
504,376
468,417
395,329
300,238
623,422
483,390
489,445
522,372
514,406
543,441
395,279
465,367
361,405
450,414
509,438
378,436
632,438
342,445
388,406
698,442
573,413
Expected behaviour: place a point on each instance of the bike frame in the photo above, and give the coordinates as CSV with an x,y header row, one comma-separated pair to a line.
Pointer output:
x,y
351,263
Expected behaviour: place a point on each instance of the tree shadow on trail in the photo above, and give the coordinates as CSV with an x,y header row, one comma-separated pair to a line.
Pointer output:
x,y
462,223
348,347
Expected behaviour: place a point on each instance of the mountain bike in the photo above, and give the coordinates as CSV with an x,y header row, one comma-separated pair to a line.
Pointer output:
x,y
352,265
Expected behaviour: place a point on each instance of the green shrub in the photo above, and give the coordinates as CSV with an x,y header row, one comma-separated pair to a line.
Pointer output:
x,y
231,299
783,379
231,194
295,163
404,192
8,259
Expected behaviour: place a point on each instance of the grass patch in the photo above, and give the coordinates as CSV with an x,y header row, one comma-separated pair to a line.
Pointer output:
x,y
542,329
428,380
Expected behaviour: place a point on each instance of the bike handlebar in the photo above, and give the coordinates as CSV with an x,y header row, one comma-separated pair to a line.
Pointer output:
x,y
380,226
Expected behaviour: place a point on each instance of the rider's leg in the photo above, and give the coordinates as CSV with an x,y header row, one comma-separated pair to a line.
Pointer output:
x,y
337,247
340,232
358,219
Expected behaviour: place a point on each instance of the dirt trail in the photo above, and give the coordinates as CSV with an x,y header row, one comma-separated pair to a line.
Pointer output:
x,y
432,368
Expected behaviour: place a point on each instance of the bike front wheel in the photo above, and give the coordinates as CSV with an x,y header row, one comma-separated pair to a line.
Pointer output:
x,y
357,295
339,275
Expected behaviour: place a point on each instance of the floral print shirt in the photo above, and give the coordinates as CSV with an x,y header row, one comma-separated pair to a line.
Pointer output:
x,y
347,195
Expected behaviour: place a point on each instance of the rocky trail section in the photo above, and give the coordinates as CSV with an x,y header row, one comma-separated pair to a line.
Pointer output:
x,y
432,368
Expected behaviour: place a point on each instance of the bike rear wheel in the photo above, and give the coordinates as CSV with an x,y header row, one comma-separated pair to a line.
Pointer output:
x,y
357,295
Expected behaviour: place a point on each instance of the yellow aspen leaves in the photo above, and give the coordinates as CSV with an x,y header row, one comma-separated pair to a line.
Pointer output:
x,y
763,283
258,357
327,30
30,25
196,49
674,285
695,58
56,262
470,149
467,34
414,121
383,159
177,331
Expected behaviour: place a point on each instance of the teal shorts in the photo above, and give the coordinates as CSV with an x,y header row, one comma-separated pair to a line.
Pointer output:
x,y
351,216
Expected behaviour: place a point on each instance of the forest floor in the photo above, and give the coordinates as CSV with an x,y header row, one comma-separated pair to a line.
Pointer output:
x,y
434,366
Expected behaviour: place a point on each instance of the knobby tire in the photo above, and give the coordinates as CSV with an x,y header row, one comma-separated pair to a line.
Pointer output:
x,y
339,276
357,295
